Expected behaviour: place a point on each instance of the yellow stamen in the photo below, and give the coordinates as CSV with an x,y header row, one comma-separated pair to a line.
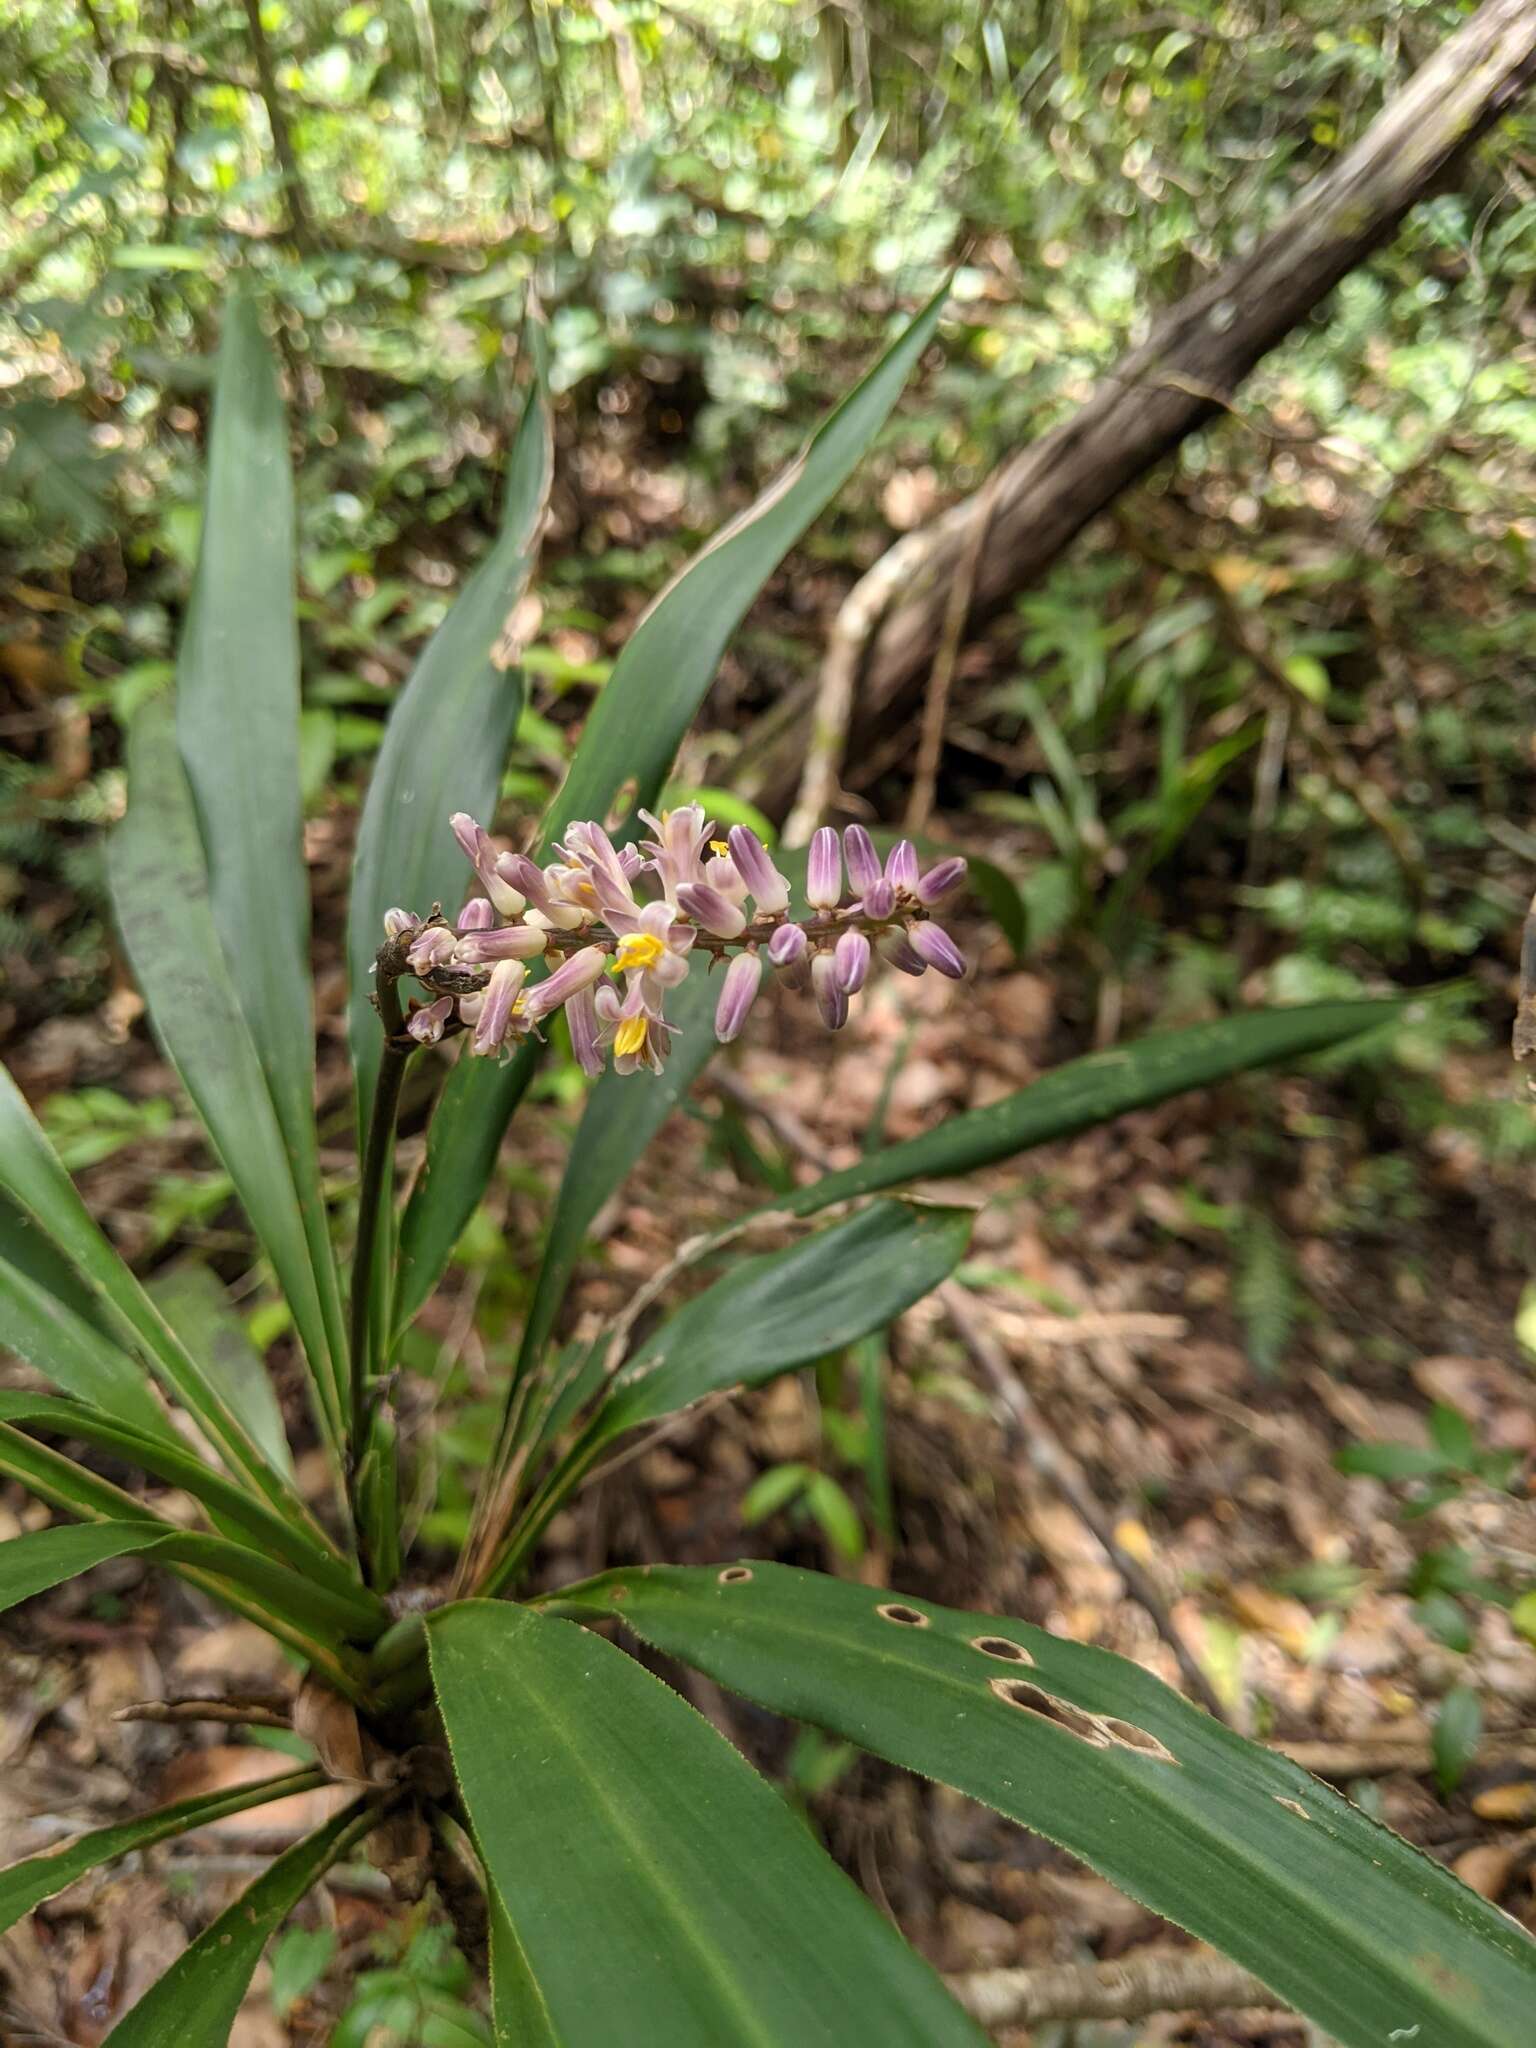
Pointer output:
x,y
639,949
720,846
630,1037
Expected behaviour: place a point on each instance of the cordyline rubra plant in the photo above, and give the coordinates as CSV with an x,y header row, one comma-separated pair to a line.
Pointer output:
x,y
637,1882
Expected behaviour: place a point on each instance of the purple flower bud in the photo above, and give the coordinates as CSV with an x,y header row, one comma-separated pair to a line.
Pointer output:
x,y
507,977
607,1003
709,909
471,838
434,948
477,915
788,950
933,944
507,942
579,972
722,873
863,861
901,865
520,872
482,855
824,870
426,1024
769,889
398,922
896,949
879,900
943,876
830,999
581,1016
736,995
850,959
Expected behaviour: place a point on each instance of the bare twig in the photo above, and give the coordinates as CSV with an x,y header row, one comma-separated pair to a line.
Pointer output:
x,y
957,610
1157,1980
243,1713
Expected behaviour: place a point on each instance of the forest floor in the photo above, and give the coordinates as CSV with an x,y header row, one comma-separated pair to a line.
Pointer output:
x,y
1101,1269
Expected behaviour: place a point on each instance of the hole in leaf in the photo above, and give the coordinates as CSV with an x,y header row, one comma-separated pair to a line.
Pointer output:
x,y
1129,1736
1029,1699
1000,1646
619,1593
1292,1806
909,1617
735,1575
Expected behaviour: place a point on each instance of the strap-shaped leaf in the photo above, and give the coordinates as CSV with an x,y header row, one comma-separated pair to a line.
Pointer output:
x,y
74,1354
447,738
195,2003
236,1509
237,727
1366,1935
193,1301
1092,1090
615,1823
33,1175
636,726
25,1885
160,894
769,1314
783,1309
30,1564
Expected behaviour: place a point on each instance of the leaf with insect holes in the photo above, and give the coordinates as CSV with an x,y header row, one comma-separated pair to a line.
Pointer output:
x,y
25,1885
196,2002
600,1799
636,726
1363,1933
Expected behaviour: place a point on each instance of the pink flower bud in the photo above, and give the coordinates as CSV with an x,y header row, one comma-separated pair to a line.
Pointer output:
x,y
520,872
769,889
863,861
477,915
932,944
710,910
742,978
788,950
850,959
901,865
426,1024
896,949
824,870
830,999
507,942
943,876
579,972
879,900
434,948
507,978
398,922
581,1016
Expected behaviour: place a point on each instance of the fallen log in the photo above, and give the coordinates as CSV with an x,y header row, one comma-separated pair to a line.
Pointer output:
x,y
1188,369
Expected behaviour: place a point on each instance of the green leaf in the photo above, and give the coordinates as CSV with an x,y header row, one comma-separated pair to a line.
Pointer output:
x,y
1390,1461
1363,1933
447,738
1451,1434
160,893
25,1885
601,1801
193,1301
1446,1620
1264,1291
836,1516
237,727
1458,1731
197,1999
636,726
74,1354
783,1309
29,1564
1095,1089
235,1507
300,1958
31,1174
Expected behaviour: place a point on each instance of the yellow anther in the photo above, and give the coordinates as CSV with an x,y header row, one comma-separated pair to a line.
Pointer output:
x,y
630,1037
720,846
639,949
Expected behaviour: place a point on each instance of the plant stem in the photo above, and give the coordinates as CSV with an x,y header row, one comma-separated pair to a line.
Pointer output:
x,y
378,1155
